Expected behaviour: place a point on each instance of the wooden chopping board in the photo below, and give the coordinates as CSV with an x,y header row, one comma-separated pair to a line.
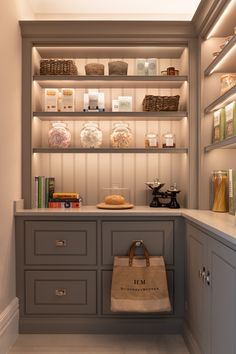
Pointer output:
x,y
113,207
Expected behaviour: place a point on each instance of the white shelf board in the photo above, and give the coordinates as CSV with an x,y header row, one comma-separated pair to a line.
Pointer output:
x,y
225,61
221,101
112,150
135,116
76,81
229,143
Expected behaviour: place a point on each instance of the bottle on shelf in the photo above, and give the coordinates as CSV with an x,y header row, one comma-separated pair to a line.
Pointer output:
x,y
59,136
121,136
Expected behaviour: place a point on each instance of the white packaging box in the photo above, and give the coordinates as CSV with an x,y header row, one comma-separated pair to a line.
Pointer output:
x,y
51,100
115,106
141,68
152,66
125,103
67,100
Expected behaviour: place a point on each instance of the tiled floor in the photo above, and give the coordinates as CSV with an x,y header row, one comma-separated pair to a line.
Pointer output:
x,y
99,344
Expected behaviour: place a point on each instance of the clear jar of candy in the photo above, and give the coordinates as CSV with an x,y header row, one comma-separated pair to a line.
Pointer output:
x,y
59,135
91,135
121,136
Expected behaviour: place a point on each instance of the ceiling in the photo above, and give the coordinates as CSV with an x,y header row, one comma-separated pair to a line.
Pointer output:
x,y
114,9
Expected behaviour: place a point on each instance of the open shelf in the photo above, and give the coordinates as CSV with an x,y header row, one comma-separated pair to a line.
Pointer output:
x,y
85,81
229,143
225,61
221,101
156,116
112,150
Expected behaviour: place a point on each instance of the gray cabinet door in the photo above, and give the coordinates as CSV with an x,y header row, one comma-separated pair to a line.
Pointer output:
x,y
60,242
196,291
117,237
60,292
222,265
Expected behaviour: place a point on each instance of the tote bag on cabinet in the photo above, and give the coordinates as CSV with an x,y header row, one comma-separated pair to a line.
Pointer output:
x,y
139,284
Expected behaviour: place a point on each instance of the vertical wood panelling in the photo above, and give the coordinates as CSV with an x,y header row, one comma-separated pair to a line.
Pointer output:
x,y
89,173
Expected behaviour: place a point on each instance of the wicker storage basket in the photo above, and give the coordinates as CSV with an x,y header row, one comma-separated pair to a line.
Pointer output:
x,y
117,68
94,69
57,67
160,103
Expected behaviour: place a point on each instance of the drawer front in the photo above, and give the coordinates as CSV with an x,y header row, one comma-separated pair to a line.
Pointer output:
x,y
157,236
106,292
60,242
60,292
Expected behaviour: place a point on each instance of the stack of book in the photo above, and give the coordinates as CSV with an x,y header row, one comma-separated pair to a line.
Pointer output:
x,y
65,200
44,189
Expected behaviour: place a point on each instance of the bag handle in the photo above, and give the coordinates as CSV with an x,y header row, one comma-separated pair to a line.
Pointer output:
x,y
138,243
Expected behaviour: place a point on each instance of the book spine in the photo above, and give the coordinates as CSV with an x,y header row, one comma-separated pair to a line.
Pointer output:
x,y
66,205
36,191
41,192
65,195
46,191
51,188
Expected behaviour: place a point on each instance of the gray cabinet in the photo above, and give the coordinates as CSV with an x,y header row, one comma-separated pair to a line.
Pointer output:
x,y
211,292
64,270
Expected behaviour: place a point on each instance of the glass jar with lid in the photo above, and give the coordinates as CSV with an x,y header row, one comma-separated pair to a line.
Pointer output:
x,y
151,140
121,135
59,135
219,189
168,140
91,135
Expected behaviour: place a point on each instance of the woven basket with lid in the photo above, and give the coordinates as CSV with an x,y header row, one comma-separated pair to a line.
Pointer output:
x,y
117,67
94,69
57,67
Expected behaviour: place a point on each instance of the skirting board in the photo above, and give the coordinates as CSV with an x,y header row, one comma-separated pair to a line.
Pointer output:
x,y
9,320
190,341
101,325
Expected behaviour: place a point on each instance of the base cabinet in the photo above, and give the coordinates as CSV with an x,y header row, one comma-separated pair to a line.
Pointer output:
x,y
64,270
210,292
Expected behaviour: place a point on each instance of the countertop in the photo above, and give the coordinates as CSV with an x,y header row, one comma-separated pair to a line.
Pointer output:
x,y
221,224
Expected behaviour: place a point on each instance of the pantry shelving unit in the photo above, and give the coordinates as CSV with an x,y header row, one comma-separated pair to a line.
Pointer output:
x,y
219,155
88,170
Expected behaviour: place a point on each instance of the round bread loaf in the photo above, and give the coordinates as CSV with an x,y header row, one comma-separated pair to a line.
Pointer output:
x,y
114,199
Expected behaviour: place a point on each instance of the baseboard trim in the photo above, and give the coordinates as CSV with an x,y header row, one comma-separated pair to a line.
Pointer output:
x,y
9,320
190,341
101,325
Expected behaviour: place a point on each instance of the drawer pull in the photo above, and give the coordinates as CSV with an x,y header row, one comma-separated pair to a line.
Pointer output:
x,y
60,292
60,243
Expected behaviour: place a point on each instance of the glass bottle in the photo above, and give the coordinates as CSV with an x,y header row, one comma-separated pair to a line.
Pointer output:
x,y
168,140
219,188
151,140
121,136
59,135
91,135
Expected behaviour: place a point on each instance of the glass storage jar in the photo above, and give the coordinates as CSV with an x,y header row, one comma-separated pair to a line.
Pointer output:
x,y
151,140
219,189
91,135
59,135
168,140
121,136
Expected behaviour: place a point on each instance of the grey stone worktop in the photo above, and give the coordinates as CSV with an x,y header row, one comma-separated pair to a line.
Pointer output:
x,y
221,224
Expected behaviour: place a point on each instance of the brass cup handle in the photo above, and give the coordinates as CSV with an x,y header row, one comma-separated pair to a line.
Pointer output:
x,y
60,243
60,292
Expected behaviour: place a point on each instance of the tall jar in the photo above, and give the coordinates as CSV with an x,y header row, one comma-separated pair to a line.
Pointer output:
x,y
121,136
219,188
59,135
91,135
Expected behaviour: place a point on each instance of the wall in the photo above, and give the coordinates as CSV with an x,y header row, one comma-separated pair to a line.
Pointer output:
x,y
10,159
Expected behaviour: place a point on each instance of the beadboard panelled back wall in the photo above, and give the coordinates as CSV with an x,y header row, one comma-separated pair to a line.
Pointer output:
x,y
89,173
